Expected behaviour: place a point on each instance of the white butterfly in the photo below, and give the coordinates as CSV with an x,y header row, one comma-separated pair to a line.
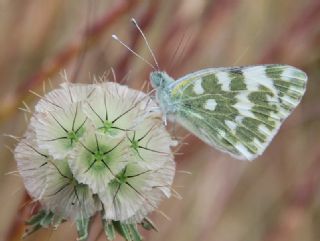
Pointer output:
x,y
236,109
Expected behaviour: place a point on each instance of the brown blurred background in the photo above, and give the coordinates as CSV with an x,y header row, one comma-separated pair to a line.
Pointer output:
x,y
275,198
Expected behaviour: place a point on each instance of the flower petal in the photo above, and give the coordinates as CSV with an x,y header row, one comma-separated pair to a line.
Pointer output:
x,y
31,162
150,143
58,131
97,159
114,108
67,197
136,192
61,98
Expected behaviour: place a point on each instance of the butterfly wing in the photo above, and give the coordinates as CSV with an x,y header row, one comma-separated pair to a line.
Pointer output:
x,y
240,109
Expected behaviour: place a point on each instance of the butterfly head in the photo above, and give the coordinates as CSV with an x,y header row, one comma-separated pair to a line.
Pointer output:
x,y
160,79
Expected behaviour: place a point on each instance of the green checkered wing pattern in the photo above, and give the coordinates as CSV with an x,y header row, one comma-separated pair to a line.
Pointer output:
x,y
239,109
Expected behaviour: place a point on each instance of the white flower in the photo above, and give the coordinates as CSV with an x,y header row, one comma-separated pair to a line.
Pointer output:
x,y
114,108
51,182
65,196
96,148
32,164
97,159
136,191
58,131
150,143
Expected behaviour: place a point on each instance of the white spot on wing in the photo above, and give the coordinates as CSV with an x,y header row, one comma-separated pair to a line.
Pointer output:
x,y
295,89
197,87
290,73
224,80
256,76
222,133
290,101
264,130
244,105
231,124
244,151
272,98
239,118
258,144
210,104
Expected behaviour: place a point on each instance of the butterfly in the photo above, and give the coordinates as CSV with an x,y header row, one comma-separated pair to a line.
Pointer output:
x,y
237,110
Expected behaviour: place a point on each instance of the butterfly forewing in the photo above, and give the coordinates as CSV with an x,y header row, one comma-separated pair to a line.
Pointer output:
x,y
238,110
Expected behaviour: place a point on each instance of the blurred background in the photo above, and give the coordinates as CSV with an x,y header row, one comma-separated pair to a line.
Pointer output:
x,y
275,198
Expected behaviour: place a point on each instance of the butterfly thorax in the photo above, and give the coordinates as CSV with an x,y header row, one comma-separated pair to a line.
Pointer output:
x,y
161,82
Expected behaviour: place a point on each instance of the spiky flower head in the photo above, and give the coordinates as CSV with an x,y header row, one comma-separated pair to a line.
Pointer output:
x,y
93,148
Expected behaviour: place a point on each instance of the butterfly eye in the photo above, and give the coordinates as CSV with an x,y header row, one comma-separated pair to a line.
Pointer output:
x,y
156,79
161,81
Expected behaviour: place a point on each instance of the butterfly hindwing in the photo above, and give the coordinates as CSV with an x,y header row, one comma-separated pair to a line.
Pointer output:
x,y
240,109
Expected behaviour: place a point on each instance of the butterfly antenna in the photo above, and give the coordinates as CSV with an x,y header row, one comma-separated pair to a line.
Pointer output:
x,y
146,41
115,37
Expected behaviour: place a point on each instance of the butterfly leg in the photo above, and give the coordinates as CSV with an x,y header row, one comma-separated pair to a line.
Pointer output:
x,y
164,119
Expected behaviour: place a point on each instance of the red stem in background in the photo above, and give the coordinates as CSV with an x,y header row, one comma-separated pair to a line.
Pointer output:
x,y
308,19
301,197
92,36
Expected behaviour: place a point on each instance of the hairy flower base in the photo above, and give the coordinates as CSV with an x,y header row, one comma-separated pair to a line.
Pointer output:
x,y
99,148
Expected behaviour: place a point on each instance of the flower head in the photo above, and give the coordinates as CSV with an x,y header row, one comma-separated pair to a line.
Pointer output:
x,y
96,148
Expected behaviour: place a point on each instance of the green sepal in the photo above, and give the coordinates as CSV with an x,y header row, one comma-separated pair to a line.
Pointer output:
x,y
147,224
36,218
42,219
109,229
83,228
47,220
56,221
127,231
134,232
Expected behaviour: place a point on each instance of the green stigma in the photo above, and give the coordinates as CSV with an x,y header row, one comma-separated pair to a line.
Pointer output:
x,y
135,144
73,136
99,156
